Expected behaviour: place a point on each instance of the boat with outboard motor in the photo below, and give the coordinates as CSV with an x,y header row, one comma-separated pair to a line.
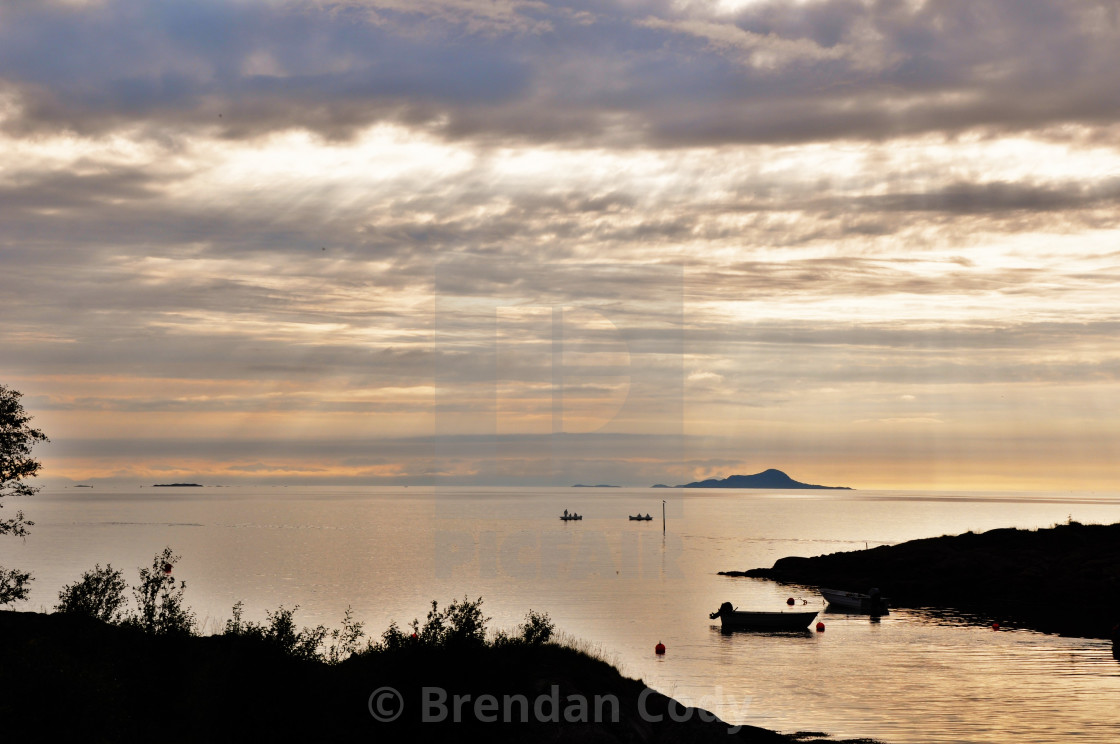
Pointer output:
x,y
757,620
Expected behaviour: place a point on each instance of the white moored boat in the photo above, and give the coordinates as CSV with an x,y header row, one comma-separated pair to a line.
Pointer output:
x,y
873,603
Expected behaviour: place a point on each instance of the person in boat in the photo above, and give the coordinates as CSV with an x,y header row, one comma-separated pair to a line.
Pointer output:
x,y
565,512
724,609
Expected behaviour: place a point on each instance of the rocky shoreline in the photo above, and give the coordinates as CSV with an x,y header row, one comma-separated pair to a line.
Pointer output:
x,y
1064,579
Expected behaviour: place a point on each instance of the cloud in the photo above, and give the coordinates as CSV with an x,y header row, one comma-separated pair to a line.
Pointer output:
x,y
662,73
313,220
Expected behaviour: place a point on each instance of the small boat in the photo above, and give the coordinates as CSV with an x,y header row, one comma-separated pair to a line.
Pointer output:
x,y
640,518
753,620
872,603
566,517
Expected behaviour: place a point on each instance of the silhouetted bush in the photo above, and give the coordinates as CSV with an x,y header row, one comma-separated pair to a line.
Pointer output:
x,y
466,624
538,628
159,601
280,632
160,609
461,624
393,639
98,594
344,641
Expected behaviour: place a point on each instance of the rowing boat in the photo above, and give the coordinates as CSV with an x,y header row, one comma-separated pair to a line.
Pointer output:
x,y
758,620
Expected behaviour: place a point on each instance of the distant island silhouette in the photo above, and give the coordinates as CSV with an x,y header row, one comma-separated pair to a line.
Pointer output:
x,y
176,485
766,479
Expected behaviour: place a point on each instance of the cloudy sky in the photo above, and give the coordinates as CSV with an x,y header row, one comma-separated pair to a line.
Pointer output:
x,y
868,242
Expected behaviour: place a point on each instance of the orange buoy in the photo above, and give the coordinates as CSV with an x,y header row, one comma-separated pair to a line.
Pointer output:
x,y
789,601
820,627
659,649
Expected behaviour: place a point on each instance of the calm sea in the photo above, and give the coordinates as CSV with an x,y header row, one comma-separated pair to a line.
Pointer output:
x,y
621,587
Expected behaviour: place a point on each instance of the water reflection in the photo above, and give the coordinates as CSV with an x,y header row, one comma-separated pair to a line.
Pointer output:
x,y
874,616
727,632
912,677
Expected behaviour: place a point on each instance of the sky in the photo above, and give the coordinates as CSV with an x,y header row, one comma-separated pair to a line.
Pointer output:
x,y
871,243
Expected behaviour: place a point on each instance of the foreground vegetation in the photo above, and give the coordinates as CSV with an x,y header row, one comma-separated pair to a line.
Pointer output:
x,y
104,668
73,678
158,608
1064,579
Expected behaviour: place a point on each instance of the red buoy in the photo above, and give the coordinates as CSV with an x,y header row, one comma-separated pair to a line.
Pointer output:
x,y
789,601
995,626
659,649
820,627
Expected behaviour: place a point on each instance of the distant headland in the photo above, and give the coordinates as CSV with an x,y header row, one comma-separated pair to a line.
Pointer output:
x,y
176,485
771,478
1060,579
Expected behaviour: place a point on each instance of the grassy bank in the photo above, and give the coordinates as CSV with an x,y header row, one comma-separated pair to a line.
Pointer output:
x,y
73,677
1064,579
102,668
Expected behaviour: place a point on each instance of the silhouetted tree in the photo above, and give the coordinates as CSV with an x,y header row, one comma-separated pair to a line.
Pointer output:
x,y
16,466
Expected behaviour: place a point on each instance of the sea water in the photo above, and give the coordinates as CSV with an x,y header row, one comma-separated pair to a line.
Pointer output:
x,y
620,587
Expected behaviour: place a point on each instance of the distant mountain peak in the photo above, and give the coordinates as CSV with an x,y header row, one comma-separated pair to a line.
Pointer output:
x,y
770,478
